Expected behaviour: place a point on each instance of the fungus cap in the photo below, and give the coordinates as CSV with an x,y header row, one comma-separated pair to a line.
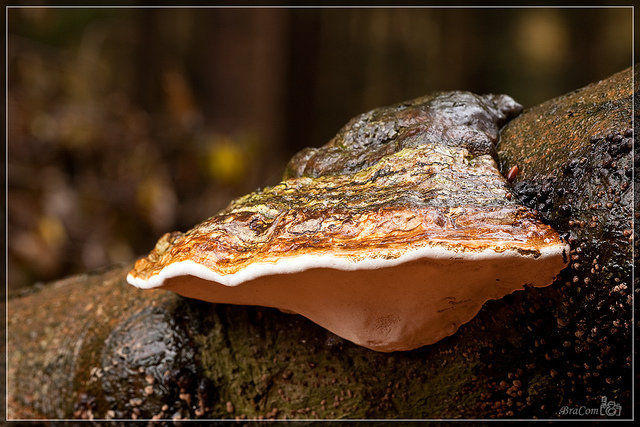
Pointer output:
x,y
392,251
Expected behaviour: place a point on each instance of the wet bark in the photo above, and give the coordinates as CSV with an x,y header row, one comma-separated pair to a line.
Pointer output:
x,y
92,346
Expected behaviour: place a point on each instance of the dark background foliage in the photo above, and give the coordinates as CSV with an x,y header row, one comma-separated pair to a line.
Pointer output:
x,y
124,124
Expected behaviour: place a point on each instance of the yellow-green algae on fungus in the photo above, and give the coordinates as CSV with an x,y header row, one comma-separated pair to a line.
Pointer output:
x,y
391,235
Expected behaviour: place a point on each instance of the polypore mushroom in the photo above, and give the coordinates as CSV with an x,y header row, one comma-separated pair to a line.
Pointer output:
x,y
392,235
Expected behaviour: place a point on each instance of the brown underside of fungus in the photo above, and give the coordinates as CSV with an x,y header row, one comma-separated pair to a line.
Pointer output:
x,y
392,235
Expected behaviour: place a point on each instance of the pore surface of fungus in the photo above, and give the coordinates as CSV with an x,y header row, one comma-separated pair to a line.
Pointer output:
x,y
392,235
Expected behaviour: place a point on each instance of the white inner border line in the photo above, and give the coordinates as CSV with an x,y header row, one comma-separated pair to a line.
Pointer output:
x,y
7,8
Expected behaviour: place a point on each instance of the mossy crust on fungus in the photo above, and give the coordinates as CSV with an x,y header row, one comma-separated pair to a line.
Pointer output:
x,y
525,355
415,174
448,199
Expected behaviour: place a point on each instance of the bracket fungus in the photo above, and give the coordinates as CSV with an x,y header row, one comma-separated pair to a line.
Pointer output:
x,y
391,235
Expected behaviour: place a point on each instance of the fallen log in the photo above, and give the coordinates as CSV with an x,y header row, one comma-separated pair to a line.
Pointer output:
x,y
93,347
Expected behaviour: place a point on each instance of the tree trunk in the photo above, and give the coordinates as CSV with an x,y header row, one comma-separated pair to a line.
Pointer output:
x,y
92,346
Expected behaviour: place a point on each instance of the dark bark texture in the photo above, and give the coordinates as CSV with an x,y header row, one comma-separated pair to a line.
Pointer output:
x,y
92,346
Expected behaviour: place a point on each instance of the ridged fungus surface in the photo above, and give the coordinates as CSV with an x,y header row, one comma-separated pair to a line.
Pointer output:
x,y
392,235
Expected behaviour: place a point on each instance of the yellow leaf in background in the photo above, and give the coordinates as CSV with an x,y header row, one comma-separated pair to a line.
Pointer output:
x,y
227,161
51,231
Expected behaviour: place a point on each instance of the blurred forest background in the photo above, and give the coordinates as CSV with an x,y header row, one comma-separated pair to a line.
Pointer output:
x,y
124,124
